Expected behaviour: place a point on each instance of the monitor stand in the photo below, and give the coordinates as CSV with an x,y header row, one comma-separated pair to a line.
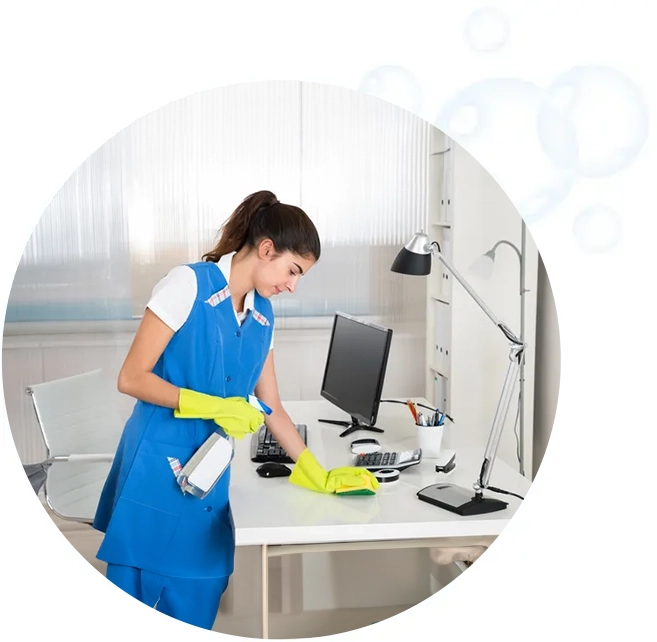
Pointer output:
x,y
351,426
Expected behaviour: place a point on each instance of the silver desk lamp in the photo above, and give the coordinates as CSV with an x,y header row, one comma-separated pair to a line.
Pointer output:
x,y
415,259
483,267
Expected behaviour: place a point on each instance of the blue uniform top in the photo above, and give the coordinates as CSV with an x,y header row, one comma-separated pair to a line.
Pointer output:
x,y
148,522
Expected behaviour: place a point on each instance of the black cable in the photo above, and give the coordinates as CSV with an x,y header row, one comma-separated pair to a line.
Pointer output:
x,y
492,488
503,492
417,404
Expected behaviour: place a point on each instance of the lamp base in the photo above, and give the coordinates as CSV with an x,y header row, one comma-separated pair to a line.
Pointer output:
x,y
460,500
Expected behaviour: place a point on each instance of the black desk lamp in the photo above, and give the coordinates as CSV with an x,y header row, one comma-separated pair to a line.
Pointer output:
x,y
415,259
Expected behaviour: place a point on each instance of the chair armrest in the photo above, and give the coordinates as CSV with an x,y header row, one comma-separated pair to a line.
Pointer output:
x,y
88,458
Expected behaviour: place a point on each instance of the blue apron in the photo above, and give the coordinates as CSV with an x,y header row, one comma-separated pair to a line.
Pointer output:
x,y
148,523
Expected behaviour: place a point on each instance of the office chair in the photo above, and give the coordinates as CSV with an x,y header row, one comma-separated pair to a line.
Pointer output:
x,y
81,427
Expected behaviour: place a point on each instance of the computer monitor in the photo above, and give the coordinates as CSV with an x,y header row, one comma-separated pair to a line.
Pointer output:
x,y
355,370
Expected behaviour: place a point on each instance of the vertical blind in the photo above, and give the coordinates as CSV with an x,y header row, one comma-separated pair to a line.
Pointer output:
x,y
156,194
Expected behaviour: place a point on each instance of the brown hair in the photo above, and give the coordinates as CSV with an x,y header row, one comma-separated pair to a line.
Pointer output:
x,y
262,216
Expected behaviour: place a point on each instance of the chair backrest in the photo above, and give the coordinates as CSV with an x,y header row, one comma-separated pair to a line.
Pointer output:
x,y
77,415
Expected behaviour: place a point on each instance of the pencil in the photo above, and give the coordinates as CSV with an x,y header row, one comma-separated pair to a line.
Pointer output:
x,y
411,407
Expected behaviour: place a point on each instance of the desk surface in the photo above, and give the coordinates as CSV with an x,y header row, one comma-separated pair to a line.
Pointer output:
x,y
273,511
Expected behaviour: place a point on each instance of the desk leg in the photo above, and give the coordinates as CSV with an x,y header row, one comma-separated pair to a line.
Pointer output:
x,y
461,566
265,592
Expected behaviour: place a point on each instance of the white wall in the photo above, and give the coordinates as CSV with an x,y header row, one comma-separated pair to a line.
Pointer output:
x,y
480,353
548,366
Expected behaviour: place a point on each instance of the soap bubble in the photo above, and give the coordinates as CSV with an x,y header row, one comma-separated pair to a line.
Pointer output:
x,y
487,29
608,115
496,122
394,84
597,229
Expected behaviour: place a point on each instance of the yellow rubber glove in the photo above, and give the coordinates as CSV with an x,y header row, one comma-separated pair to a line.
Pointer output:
x,y
234,414
349,480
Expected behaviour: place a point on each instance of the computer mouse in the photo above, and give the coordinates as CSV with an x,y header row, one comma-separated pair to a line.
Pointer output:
x,y
273,469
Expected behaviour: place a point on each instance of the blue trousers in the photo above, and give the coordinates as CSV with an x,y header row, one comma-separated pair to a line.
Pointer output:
x,y
195,601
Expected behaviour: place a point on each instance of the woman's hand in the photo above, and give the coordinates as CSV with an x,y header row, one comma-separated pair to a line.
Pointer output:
x,y
348,480
235,415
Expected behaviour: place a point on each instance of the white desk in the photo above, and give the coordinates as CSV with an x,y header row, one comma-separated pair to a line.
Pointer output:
x,y
283,519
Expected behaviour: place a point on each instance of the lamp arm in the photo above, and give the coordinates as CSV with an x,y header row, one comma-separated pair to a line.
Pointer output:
x,y
511,245
515,359
516,356
434,248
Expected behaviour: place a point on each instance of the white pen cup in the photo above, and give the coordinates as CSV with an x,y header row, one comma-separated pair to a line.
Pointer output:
x,y
430,440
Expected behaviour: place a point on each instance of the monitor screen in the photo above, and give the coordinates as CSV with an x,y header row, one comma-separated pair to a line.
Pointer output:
x,y
356,366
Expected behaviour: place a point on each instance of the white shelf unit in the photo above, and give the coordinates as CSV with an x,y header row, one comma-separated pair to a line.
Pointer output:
x,y
439,282
467,356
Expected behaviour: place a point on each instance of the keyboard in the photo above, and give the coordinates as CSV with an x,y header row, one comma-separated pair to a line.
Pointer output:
x,y
264,446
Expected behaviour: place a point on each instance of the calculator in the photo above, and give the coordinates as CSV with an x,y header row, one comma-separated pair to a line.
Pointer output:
x,y
395,460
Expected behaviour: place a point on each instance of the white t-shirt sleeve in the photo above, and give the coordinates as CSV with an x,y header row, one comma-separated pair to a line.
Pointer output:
x,y
173,297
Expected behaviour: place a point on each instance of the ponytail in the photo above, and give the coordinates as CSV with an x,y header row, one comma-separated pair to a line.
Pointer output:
x,y
262,216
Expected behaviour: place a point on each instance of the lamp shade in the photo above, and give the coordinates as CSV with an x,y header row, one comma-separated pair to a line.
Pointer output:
x,y
483,266
414,258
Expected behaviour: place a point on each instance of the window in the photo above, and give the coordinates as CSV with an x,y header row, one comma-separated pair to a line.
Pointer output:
x,y
155,195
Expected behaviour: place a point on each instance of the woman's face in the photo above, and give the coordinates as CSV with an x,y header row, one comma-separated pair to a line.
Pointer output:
x,y
278,273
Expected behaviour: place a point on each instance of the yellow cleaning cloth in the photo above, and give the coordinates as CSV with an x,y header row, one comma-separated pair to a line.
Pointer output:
x,y
349,480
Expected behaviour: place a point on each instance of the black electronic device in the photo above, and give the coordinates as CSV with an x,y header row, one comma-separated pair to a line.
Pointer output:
x,y
446,462
264,446
273,469
355,371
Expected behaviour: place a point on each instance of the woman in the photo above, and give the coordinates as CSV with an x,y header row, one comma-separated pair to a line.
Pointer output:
x,y
204,344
